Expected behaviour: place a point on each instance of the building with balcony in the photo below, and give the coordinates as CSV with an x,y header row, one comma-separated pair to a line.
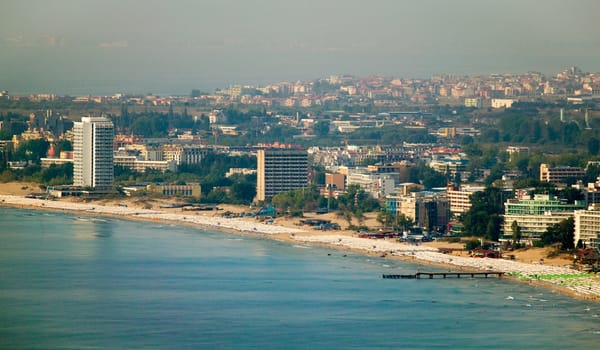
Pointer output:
x,y
280,170
184,154
93,153
377,185
138,165
459,198
535,215
560,174
187,190
587,227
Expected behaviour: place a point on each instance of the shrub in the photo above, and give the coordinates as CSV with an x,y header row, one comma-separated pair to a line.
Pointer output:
x,y
538,244
454,240
472,244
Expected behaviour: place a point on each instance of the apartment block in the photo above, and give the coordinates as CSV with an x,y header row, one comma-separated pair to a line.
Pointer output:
x,y
280,170
560,174
587,227
460,198
184,154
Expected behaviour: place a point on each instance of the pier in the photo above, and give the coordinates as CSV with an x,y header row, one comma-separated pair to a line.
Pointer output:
x,y
432,275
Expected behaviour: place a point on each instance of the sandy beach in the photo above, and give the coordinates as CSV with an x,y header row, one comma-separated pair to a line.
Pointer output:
x,y
552,273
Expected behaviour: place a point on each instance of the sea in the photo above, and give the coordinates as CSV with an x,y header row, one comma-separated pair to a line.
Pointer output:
x,y
79,282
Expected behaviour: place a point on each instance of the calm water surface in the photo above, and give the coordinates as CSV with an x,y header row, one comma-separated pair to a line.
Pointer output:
x,y
70,282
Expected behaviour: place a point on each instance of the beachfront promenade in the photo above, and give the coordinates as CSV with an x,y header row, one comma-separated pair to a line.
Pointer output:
x,y
583,284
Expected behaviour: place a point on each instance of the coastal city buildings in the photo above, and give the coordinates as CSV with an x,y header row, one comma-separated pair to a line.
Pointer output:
x,y
138,164
534,216
93,153
377,185
187,190
280,168
427,209
335,181
184,154
560,174
495,91
459,198
587,227
356,116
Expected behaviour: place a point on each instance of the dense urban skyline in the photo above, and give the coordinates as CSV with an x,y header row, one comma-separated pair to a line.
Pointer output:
x,y
93,47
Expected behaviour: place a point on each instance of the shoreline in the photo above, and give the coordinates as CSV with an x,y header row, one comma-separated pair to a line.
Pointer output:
x,y
559,279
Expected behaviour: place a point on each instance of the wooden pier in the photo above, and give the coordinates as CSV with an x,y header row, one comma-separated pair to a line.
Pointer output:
x,y
432,275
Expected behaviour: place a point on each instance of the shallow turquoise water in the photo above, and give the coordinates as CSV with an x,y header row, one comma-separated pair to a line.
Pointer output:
x,y
70,282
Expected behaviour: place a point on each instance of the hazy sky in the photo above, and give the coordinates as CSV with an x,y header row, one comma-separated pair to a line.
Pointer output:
x,y
171,46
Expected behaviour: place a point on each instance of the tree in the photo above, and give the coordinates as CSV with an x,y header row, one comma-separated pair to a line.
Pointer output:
x,y
295,200
321,128
243,191
492,230
571,194
150,125
5,134
348,217
562,233
567,230
58,174
495,174
473,244
382,217
516,232
593,146
356,198
485,216
403,221
425,175
32,150
63,145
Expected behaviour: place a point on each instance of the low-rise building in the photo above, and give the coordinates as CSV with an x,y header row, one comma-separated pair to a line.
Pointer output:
x,y
240,171
514,151
473,102
335,181
502,102
560,174
449,165
460,198
184,154
187,190
377,185
47,162
132,162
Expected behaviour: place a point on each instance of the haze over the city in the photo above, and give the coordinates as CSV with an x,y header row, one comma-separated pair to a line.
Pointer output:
x,y
171,47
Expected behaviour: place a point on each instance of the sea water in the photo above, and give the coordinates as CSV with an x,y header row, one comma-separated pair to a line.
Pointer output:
x,y
69,282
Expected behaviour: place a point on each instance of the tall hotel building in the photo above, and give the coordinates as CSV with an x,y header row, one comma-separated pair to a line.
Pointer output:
x,y
280,170
93,153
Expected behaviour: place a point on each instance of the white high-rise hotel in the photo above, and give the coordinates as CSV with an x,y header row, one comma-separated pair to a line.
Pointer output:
x,y
93,153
